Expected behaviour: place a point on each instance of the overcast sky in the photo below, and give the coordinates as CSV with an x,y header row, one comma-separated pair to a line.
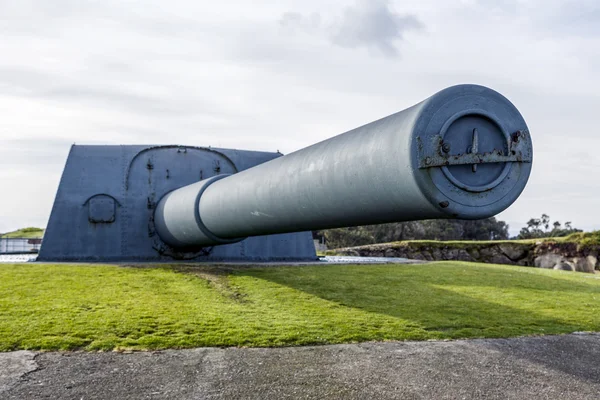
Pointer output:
x,y
263,76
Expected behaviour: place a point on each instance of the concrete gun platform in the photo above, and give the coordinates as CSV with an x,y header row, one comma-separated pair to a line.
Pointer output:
x,y
549,367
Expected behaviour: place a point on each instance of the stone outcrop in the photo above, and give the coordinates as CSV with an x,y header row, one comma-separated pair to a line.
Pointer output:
x,y
545,254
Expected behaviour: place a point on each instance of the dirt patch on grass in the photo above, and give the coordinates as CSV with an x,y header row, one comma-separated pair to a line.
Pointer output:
x,y
216,275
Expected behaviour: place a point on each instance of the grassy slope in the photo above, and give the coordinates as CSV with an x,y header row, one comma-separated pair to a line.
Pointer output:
x,y
581,239
27,233
459,244
109,307
584,238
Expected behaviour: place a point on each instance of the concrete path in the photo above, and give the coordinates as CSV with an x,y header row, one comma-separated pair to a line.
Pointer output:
x,y
553,367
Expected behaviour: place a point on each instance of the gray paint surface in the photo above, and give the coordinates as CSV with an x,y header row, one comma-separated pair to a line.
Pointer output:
x,y
184,226
107,195
463,153
551,367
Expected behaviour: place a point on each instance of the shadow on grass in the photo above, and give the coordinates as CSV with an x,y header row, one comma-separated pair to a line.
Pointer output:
x,y
458,301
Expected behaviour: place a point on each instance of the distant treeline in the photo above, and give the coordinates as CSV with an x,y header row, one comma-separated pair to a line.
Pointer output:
x,y
441,229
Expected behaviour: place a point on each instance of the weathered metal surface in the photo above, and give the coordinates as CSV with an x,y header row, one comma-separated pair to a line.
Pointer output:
x,y
102,208
184,227
105,204
463,153
519,150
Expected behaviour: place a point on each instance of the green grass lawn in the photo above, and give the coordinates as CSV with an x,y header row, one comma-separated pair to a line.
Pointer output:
x,y
25,233
103,307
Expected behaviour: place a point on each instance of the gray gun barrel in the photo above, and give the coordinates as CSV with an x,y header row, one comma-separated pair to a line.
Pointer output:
x,y
463,153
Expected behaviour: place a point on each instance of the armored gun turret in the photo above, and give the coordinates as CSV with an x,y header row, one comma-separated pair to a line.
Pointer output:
x,y
465,152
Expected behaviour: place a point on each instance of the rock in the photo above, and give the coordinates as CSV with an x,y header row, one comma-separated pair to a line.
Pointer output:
x,y
462,255
548,260
418,256
513,251
486,254
402,254
564,266
584,264
500,259
551,255
452,254
475,254
524,262
390,253
593,260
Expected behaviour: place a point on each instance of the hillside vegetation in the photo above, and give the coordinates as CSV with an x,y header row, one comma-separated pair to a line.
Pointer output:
x,y
575,252
442,230
28,233
581,239
104,307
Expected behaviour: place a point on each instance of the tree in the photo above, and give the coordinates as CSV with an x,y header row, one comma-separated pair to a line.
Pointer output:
x,y
347,237
568,225
556,225
545,221
439,229
533,229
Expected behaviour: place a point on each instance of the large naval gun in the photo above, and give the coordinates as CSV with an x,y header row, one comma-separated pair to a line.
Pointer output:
x,y
465,153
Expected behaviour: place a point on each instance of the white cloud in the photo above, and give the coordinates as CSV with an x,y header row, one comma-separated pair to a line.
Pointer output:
x,y
372,24
267,76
